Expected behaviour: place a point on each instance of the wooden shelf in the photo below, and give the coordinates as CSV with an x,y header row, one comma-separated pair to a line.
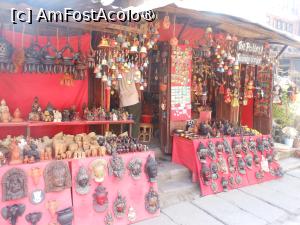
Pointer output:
x,y
14,124
30,124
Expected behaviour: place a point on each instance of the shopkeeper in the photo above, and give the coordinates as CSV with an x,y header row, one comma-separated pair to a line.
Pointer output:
x,y
130,98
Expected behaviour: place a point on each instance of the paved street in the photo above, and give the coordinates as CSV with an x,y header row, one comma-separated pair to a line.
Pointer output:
x,y
273,203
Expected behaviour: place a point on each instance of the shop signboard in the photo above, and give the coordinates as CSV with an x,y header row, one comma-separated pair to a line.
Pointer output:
x,y
250,52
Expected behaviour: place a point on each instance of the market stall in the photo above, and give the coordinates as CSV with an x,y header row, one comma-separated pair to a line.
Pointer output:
x,y
66,151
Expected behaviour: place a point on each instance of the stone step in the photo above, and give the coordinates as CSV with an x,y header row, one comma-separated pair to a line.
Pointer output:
x,y
168,171
173,192
289,164
283,151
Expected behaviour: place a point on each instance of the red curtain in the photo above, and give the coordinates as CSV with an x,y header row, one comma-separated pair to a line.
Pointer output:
x,y
19,89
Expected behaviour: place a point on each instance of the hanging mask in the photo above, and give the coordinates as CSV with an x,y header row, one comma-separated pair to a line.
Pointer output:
x,y
237,148
151,168
117,167
227,146
220,147
100,202
224,183
135,168
231,164
222,165
214,171
241,165
211,150
202,152
205,173
244,145
252,145
152,201
249,161
82,181
119,206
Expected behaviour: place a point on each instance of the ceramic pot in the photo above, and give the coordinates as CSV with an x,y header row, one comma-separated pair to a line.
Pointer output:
x,y
289,142
65,216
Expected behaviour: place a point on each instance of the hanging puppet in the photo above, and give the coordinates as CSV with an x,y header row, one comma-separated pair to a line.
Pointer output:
x,y
277,94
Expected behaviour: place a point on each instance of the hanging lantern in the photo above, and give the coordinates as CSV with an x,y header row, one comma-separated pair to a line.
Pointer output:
x,y
228,37
166,22
103,42
104,78
103,62
98,75
208,30
120,76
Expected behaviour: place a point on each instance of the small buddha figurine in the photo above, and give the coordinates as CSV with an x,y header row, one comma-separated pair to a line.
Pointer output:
x,y
17,116
5,116
15,157
36,111
3,106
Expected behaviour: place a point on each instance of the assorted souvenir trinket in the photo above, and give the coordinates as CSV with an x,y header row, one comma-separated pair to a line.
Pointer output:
x,y
135,168
205,174
82,181
151,168
241,165
152,201
33,218
13,212
120,206
116,166
98,169
131,214
57,176
211,150
214,187
36,111
214,171
222,165
224,183
231,164
14,184
108,219
227,146
100,202
65,216
202,152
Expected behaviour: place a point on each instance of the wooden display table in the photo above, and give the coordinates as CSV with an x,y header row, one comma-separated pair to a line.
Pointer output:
x,y
31,124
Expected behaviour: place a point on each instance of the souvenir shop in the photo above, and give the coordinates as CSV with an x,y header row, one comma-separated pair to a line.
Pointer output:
x,y
66,151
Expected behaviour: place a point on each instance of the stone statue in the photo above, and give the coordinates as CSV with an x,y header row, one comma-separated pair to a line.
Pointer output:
x,y
151,168
57,176
15,157
82,181
17,116
5,116
14,184
12,212
36,111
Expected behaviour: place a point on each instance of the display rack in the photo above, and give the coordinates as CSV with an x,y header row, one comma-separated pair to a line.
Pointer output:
x,y
30,124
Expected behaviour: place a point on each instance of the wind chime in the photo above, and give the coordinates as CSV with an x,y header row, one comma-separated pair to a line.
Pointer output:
x,y
122,54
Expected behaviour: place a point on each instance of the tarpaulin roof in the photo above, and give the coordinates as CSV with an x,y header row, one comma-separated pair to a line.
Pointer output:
x,y
220,19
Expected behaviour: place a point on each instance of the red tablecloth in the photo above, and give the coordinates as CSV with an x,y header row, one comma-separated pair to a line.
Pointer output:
x,y
133,190
185,153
